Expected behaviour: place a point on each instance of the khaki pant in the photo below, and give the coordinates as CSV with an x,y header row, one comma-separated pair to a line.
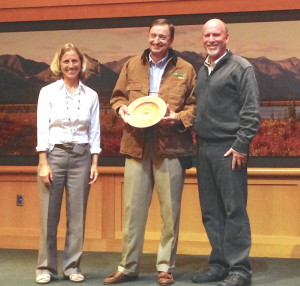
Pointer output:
x,y
140,177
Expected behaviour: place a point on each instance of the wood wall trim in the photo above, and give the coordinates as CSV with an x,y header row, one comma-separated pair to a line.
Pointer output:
x,y
112,170
31,170
33,10
57,3
274,172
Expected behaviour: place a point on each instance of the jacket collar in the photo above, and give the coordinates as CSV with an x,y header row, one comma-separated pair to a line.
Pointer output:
x,y
171,56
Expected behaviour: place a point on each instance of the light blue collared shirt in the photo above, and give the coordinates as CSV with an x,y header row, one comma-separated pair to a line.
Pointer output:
x,y
156,72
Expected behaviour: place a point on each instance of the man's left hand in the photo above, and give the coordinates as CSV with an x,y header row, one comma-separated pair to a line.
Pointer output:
x,y
238,159
170,118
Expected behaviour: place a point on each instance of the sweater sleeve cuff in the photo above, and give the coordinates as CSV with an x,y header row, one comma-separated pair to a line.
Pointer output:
x,y
240,147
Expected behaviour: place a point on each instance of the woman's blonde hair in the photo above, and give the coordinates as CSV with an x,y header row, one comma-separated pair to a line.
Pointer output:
x,y
55,64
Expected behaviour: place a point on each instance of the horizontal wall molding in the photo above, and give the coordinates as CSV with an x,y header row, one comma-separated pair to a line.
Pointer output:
x,y
111,170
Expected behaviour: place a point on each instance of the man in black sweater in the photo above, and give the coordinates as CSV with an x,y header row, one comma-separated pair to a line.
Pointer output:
x,y
227,119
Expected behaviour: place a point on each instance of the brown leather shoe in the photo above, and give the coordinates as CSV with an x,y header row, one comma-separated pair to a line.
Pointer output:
x,y
165,278
118,278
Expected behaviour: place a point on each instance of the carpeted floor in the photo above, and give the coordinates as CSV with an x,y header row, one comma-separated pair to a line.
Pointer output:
x,y
17,268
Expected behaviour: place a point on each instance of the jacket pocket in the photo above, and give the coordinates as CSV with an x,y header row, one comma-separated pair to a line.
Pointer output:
x,y
135,86
135,91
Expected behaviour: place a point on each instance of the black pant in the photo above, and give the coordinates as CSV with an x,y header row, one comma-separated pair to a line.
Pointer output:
x,y
223,199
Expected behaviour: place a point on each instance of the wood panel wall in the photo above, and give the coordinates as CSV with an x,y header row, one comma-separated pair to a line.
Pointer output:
x,y
274,205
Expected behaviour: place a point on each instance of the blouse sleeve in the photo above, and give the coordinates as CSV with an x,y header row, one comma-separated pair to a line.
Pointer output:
x,y
43,117
94,127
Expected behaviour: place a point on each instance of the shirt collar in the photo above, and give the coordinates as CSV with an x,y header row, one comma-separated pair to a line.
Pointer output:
x,y
213,64
160,63
62,84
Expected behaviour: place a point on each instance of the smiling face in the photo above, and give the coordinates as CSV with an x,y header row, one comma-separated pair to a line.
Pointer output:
x,y
70,65
215,39
159,41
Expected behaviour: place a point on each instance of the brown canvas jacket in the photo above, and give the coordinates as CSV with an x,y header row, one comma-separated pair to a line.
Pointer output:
x,y
176,89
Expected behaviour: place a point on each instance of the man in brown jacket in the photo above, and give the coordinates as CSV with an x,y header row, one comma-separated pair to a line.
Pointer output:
x,y
154,154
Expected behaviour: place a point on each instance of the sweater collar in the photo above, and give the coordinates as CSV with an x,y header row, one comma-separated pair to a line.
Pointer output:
x,y
222,60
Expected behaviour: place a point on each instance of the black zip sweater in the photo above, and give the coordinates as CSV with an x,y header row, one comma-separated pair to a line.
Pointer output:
x,y
228,103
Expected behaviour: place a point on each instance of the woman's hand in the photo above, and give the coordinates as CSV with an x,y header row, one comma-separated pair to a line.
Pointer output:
x,y
94,169
93,174
45,172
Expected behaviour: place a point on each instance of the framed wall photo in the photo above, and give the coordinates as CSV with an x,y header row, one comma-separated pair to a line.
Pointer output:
x,y
266,39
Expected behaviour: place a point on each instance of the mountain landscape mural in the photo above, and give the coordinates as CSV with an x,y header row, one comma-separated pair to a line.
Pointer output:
x,y
21,80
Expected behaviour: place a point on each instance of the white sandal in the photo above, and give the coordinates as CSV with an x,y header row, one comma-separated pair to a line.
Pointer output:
x,y
76,277
43,278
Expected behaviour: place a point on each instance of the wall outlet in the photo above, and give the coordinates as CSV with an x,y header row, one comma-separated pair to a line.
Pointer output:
x,y
20,200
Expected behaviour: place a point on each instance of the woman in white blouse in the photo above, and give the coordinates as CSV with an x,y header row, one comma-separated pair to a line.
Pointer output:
x,y
68,145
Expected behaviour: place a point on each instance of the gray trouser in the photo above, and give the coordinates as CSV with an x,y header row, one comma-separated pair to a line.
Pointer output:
x,y
140,177
223,198
70,172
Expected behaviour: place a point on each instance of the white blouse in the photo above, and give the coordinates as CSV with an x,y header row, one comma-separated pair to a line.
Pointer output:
x,y
63,117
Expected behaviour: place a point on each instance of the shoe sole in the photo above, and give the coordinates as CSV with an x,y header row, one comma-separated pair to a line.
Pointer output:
x,y
128,279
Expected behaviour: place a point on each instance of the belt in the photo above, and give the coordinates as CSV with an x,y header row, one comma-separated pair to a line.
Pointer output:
x,y
68,147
